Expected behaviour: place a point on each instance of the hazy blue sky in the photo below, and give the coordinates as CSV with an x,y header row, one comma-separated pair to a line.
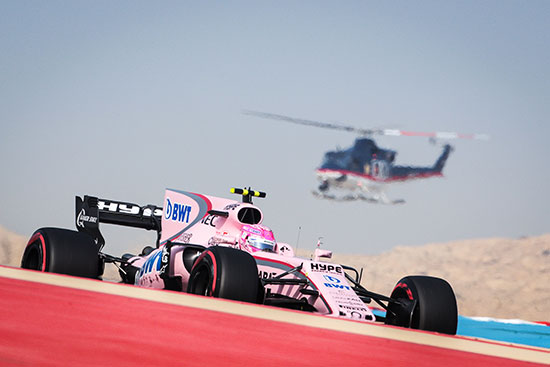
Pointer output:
x,y
122,99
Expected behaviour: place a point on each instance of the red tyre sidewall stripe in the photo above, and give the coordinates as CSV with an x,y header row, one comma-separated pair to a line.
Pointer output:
x,y
406,288
214,267
33,239
215,271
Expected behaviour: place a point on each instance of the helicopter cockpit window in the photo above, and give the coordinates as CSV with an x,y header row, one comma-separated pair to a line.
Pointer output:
x,y
380,169
336,160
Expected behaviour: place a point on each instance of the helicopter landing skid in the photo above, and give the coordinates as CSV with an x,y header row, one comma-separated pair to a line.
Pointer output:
x,y
356,197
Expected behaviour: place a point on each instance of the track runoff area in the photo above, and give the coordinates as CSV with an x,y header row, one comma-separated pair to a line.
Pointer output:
x,y
52,320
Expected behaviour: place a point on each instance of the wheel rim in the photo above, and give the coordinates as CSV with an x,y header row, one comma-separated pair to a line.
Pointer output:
x,y
201,282
403,315
33,256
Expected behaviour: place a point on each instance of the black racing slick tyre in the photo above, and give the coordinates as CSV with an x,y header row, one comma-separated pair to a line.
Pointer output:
x,y
225,272
62,251
425,303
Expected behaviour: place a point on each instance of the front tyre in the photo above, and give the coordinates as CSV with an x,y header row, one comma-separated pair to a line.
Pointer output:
x,y
225,272
426,303
62,251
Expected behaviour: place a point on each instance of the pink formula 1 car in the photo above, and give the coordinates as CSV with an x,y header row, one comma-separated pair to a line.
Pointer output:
x,y
218,247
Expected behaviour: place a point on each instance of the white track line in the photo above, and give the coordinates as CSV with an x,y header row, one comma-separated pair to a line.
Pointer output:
x,y
510,351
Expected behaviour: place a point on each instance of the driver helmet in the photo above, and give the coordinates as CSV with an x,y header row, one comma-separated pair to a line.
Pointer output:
x,y
257,238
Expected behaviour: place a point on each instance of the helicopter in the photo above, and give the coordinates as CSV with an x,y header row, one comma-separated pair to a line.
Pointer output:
x,y
363,171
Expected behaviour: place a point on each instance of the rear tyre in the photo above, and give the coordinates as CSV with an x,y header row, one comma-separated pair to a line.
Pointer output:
x,y
427,303
62,251
225,272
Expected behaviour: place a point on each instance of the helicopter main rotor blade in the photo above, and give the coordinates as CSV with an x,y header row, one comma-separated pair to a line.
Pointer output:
x,y
351,129
326,125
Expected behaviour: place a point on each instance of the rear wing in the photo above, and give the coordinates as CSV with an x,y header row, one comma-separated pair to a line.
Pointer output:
x,y
90,211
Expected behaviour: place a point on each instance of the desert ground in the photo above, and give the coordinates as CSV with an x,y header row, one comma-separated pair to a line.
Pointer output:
x,y
495,277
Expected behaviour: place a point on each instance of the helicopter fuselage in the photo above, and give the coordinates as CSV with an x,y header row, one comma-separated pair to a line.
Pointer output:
x,y
367,168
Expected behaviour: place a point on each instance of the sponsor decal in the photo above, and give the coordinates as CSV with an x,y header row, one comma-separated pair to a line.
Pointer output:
x,y
328,278
176,212
347,298
333,282
197,208
266,274
209,220
337,286
255,231
231,206
352,308
82,217
115,207
284,248
153,263
165,259
247,230
353,314
148,212
184,238
326,268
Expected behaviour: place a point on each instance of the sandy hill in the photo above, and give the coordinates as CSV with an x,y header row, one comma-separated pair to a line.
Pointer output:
x,y
498,277
11,247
